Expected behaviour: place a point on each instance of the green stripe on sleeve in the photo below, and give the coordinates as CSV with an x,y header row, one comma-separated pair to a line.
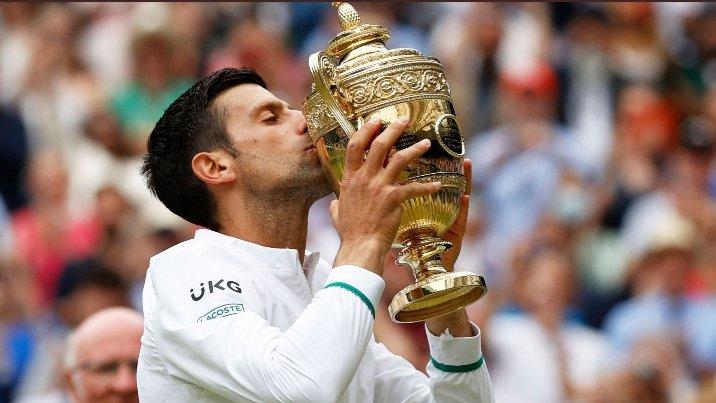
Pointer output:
x,y
458,368
355,291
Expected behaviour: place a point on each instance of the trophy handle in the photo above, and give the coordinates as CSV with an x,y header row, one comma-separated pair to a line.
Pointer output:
x,y
318,62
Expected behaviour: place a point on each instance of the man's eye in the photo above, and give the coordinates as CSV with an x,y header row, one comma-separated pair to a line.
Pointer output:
x,y
271,118
107,368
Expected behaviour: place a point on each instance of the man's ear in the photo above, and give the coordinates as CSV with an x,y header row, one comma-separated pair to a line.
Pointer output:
x,y
215,167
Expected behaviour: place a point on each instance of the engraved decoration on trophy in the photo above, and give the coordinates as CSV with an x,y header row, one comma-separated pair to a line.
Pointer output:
x,y
357,78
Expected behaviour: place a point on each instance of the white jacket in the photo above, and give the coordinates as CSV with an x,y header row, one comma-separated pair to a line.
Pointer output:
x,y
231,321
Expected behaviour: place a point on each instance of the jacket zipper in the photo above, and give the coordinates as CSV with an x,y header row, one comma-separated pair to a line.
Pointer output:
x,y
305,279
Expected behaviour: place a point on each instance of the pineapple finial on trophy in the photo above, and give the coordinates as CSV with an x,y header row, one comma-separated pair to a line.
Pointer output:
x,y
348,15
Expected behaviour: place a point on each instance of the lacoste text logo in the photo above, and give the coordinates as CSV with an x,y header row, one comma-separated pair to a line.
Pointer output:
x,y
221,311
216,285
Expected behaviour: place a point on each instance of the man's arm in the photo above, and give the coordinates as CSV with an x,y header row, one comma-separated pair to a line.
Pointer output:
x,y
243,356
457,373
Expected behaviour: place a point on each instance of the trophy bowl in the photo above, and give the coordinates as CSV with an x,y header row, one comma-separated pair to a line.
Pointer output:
x,y
355,79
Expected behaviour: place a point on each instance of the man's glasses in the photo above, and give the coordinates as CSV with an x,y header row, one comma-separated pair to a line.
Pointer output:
x,y
107,368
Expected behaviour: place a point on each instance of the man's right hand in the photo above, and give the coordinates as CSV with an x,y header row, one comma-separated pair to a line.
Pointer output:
x,y
368,211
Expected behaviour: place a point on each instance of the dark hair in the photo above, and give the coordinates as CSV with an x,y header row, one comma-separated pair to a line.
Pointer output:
x,y
88,273
191,125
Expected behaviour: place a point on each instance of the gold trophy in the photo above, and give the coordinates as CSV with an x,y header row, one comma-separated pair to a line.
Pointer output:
x,y
355,79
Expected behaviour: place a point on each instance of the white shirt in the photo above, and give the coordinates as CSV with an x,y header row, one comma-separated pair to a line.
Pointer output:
x,y
231,321
526,363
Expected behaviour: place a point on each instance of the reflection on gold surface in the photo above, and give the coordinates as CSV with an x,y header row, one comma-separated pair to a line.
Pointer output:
x,y
436,212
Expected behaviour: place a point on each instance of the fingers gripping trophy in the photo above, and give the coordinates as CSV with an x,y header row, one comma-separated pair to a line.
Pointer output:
x,y
355,79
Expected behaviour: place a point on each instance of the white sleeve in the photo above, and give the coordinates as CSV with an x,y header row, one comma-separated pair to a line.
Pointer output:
x,y
457,373
242,355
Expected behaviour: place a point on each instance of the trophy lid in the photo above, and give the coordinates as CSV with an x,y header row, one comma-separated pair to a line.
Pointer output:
x,y
355,34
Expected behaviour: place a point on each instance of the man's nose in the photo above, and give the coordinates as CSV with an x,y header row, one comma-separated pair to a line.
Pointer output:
x,y
303,125
125,381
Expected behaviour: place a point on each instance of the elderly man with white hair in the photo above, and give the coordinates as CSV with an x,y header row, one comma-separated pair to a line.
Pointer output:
x,y
101,358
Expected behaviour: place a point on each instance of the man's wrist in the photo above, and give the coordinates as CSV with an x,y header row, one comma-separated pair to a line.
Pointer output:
x,y
456,323
368,254
456,354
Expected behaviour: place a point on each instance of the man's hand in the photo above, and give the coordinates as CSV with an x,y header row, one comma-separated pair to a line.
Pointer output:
x,y
457,232
368,211
457,321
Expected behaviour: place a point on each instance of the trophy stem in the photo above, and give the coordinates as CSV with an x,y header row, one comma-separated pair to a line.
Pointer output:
x,y
423,253
436,291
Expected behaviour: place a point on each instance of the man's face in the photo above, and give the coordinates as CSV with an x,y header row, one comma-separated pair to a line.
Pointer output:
x,y
275,152
106,366
548,283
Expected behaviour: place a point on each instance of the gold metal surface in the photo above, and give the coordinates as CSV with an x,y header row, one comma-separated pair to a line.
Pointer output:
x,y
357,78
347,15
436,295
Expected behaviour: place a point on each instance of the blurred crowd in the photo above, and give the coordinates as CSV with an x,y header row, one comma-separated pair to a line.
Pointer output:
x,y
591,128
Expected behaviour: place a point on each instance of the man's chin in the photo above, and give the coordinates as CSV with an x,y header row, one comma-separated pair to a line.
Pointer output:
x,y
322,184
313,179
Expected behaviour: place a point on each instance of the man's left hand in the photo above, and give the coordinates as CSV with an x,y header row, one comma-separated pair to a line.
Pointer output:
x,y
456,233
457,321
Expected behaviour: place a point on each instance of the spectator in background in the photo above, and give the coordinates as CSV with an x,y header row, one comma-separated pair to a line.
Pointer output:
x,y
116,216
156,82
103,128
538,353
284,73
661,306
85,288
45,234
645,134
188,24
587,82
153,87
636,51
683,190
518,164
137,248
100,360
101,357
467,44
654,372
58,90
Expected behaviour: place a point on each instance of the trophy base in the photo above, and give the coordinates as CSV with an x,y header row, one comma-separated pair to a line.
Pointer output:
x,y
435,296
